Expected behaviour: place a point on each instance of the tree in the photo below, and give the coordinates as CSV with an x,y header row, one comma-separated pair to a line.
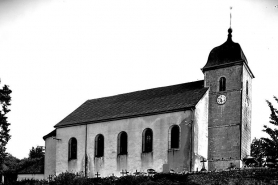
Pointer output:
x,y
271,142
258,150
10,168
267,147
11,162
5,100
37,152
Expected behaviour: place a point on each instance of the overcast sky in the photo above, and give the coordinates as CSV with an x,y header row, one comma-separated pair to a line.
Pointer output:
x,y
56,54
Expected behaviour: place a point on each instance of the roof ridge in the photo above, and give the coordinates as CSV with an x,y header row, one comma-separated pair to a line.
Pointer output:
x,y
142,102
143,90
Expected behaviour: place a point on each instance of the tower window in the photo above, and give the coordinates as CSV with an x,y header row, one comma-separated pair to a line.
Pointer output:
x,y
122,143
246,87
174,137
147,140
222,84
72,153
99,145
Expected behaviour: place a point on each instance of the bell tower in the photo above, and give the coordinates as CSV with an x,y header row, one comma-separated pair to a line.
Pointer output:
x,y
229,79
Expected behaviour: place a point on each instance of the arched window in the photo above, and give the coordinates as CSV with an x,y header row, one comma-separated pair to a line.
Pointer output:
x,y
174,137
122,143
147,140
72,148
99,145
246,87
222,84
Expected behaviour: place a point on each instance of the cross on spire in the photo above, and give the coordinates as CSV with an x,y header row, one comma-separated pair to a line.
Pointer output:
x,y
231,16
230,29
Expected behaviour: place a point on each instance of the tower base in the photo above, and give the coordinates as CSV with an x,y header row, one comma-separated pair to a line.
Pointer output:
x,y
224,164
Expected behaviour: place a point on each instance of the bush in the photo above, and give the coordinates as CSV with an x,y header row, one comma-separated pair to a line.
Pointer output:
x,y
28,182
65,178
130,180
233,177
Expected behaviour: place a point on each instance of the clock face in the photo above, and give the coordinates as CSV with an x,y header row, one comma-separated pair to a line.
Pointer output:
x,y
221,99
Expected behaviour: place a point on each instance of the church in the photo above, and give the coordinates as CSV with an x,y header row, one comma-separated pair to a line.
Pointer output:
x,y
173,128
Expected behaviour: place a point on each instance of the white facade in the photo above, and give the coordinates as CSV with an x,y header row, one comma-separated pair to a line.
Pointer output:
x,y
192,148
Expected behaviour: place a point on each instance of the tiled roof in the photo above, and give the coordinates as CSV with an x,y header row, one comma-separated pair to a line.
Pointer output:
x,y
227,53
139,103
51,134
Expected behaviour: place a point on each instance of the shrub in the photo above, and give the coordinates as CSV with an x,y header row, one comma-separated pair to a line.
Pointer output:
x,y
232,177
28,182
130,180
65,178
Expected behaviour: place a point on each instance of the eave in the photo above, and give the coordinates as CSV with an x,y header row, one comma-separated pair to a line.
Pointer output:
x,y
240,62
124,117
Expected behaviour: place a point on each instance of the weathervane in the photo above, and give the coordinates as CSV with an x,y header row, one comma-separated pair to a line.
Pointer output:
x,y
231,16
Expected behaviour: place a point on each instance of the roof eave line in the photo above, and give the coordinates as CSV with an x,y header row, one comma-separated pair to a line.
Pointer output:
x,y
126,117
240,62
222,65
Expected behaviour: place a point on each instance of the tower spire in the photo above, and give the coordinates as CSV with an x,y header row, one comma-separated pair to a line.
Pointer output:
x,y
230,29
231,16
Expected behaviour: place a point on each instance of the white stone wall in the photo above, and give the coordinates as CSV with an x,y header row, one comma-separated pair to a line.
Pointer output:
x,y
134,127
50,157
246,113
64,135
201,133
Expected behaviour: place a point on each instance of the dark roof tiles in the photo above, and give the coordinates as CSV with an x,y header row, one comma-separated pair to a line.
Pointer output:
x,y
51,134
139,103
227,53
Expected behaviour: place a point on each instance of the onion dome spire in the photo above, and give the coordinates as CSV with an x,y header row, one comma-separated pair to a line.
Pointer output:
x,y
230,34
226,54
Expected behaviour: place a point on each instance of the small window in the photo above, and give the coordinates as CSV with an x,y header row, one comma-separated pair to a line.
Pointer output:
x,y
222,84
147,140
122,143
72,149
246,87
174,137
99,145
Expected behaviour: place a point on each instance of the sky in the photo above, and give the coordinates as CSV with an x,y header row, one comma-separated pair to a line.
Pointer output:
x,y
56,54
